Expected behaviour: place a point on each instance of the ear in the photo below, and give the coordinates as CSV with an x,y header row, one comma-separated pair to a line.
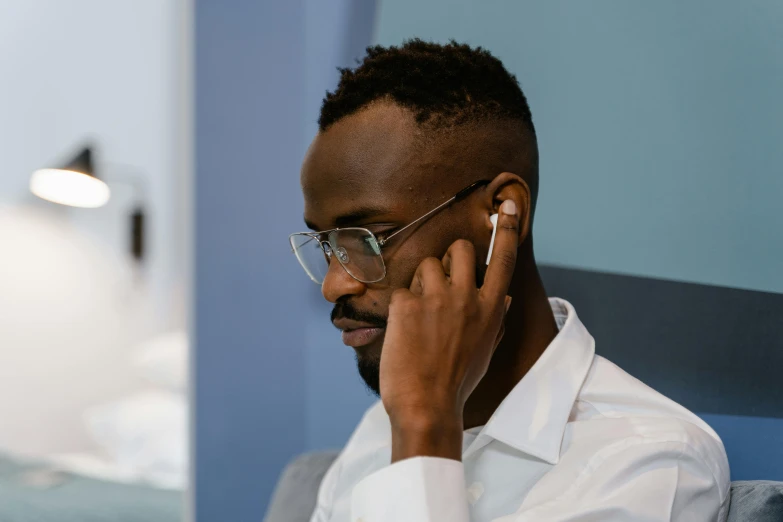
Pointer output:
x,y
507,185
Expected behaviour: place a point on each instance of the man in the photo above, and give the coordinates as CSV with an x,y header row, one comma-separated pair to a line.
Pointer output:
x,y
493,405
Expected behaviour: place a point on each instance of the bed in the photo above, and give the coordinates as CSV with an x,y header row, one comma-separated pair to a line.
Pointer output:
x,y
40,492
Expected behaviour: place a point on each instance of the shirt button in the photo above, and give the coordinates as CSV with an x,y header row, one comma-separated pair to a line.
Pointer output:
x,y
474,492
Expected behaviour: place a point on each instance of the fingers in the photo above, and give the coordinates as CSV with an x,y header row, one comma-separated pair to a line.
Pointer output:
x,y
502,331
429,276
460,264
504,254
400,298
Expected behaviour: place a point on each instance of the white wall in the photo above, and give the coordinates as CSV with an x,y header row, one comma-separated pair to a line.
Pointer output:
x,y
115,72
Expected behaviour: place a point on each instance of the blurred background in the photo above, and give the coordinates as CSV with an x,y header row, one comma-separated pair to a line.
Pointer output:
x,y
661,147
94,275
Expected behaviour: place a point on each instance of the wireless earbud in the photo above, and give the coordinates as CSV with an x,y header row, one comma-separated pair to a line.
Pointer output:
x,y
494,219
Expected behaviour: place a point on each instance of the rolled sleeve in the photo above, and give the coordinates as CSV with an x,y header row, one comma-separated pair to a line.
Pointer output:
x,y
420,489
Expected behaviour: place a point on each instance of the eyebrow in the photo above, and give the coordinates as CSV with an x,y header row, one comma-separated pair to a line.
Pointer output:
x,y
352,218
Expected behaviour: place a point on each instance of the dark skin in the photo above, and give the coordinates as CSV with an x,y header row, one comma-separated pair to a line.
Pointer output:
x,y
453,348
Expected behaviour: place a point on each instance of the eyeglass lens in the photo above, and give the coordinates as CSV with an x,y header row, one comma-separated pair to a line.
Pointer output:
x,y
356,249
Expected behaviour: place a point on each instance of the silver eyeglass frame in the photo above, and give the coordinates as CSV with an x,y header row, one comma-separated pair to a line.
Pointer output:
x,y
329,250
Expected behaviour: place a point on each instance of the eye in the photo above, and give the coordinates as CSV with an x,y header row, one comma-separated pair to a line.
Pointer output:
x,y
383,234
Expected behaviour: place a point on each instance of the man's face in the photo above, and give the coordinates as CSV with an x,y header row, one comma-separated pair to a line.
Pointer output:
x,y
369,170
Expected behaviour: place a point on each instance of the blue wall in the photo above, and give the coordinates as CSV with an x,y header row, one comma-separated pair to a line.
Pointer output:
x,y
753,445
659,127
338,31
262,69
249,379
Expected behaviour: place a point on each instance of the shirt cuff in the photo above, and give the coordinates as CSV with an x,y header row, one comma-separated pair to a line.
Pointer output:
x,y
419,489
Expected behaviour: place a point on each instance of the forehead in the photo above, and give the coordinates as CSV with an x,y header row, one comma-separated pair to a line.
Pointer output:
x,y
373,159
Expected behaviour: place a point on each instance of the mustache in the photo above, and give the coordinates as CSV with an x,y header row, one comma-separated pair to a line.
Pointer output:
x,y
345,310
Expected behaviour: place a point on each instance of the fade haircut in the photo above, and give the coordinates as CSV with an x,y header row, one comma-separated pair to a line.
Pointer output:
x,y
445,86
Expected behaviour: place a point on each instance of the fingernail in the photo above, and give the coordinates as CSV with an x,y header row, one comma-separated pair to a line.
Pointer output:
x,y
509,207
508,303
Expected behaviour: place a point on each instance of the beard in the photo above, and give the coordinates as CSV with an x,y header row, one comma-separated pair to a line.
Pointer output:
x,y
368,362
370,371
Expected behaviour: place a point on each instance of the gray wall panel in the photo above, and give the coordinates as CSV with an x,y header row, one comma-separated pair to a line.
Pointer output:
x,y
713,349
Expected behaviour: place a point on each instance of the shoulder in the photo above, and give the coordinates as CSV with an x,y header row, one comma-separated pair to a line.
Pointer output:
x,y
651,468
627,447
608,392
616,415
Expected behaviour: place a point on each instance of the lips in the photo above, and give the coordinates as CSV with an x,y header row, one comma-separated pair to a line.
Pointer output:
x,y
361,336
358,334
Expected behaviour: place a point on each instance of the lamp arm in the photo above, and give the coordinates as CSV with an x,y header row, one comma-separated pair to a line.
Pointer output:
x,y
123,174
131,176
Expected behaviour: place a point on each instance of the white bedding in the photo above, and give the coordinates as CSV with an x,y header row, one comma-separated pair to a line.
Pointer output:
x,y
143,436
94,466
31,490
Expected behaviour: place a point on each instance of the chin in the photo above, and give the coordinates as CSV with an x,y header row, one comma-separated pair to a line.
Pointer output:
x,y
371,350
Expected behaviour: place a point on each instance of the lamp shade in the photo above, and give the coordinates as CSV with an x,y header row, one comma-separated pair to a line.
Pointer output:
x,y
74,184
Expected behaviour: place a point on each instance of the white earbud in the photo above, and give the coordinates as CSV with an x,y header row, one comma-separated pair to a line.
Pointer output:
x,y
494,219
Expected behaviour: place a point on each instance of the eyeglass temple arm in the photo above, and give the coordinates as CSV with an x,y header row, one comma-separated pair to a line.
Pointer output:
x,y
459,195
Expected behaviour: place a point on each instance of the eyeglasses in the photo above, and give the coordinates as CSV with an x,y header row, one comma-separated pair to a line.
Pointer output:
x,y
356,249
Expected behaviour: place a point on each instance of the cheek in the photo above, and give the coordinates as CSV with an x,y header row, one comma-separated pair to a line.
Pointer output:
x,y
401,267
403,263
400,275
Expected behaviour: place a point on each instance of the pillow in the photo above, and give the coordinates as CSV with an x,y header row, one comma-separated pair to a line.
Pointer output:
x,y
145,435
163,361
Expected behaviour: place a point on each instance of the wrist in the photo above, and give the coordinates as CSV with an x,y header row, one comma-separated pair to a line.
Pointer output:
x,y
427,434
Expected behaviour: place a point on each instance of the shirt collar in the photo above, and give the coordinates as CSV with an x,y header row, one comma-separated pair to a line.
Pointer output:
x,y
532,418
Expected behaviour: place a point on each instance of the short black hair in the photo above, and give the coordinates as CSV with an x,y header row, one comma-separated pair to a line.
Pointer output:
x,y
443,84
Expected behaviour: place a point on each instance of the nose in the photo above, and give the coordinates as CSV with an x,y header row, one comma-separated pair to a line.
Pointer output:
x,y
338,283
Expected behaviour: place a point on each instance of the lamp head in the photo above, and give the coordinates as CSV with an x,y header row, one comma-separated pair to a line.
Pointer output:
x,y
74,183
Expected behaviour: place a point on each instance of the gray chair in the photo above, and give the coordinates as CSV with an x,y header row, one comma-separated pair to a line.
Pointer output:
x,y
296,491
295,495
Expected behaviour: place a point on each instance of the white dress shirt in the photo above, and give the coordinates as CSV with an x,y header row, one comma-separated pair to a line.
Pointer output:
x,y
577,439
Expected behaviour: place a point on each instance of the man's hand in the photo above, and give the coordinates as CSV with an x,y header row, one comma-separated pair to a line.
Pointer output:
x,y
440,337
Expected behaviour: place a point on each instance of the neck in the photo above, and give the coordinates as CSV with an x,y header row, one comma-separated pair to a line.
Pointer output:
x,y
530,327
